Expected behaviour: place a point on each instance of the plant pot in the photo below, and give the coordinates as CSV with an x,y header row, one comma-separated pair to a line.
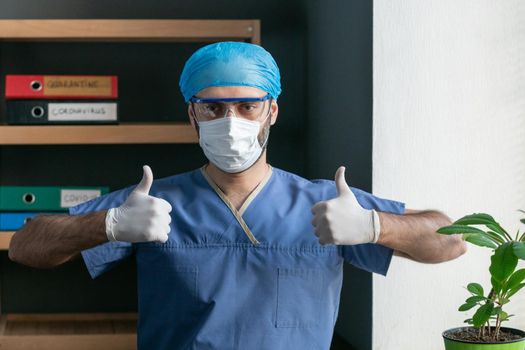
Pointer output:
x,y
454,344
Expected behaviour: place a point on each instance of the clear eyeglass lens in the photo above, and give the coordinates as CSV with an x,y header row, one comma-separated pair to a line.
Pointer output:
x,y
251,110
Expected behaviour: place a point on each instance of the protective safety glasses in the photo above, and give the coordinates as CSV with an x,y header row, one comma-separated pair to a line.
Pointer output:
x,y
251,108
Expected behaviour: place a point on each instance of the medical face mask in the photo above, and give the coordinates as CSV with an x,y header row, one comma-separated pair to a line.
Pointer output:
x,y
231,143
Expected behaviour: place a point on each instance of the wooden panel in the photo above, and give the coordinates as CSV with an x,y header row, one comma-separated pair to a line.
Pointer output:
x,y
135,133
114,316
68,342
58,327
99,331
256,38
5,238
128,30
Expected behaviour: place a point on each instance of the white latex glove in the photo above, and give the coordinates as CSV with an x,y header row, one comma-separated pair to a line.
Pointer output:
x,y
141,218
342,220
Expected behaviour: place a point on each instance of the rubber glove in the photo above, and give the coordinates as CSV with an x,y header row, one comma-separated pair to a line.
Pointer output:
x,y
141,218
342,220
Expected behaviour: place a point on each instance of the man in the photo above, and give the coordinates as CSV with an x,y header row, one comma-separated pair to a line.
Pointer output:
x,y
237,254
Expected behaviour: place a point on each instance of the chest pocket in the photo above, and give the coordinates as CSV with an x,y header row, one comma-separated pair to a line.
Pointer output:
x,y
299,298
174,286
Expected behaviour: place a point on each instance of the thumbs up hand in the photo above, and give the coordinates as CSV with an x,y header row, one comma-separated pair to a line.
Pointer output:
x,y
342,220
141,218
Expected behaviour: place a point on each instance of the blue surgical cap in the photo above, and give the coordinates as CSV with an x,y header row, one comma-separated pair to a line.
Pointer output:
x,y
230,64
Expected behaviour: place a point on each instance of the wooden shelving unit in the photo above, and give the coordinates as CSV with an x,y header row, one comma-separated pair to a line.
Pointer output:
x,y
99,331
117,31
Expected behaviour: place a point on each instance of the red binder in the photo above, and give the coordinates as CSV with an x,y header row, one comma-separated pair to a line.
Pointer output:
x,y
61,87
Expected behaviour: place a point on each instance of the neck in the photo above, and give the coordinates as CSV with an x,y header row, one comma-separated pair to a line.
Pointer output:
x,y
242,183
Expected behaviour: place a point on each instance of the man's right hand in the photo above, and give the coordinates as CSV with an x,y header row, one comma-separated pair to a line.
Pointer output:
x,y
141,218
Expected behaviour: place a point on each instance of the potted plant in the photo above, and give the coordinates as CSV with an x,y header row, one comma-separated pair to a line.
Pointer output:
x,y
485,329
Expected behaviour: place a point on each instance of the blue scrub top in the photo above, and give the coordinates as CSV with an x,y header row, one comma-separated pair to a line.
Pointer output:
x,y
210,287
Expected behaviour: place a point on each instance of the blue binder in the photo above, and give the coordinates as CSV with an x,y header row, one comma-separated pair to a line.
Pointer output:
x,y
14,221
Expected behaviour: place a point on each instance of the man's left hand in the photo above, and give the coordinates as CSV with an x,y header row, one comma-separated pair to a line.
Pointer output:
x,y
342,220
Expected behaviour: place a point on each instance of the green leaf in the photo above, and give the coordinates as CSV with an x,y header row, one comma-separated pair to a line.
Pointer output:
x,y
483,219
480,240
516,278
476,219
459,229
498,229
496,285
519,250
467,306
468,320
503,262
475,299
496,311
475,288
482,314
503,315
495,237
514,290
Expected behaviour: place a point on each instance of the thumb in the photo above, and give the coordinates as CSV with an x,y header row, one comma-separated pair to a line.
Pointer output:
x,y
147,179
340,182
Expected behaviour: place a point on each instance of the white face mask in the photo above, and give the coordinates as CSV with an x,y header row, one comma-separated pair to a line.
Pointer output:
x,y
231,143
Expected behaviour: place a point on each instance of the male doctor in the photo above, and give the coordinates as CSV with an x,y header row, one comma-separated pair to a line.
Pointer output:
x,y
236,254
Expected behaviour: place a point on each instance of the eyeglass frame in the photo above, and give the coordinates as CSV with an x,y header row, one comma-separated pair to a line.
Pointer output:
x,y
195,99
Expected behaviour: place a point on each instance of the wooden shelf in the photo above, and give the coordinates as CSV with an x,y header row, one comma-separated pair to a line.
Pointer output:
x,y
131,133
130,30
5,239
101,331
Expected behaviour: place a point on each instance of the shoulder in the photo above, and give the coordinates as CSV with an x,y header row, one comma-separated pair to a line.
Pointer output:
x,y
180,189
297,180
323,189
179,183
178,180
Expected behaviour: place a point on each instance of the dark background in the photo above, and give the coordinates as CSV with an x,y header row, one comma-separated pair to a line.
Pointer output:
x,y
324,51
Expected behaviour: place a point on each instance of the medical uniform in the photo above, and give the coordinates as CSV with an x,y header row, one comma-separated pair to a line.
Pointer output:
x,y
256,278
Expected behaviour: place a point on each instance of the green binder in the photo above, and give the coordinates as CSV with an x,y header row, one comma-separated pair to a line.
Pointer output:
x,y
51,198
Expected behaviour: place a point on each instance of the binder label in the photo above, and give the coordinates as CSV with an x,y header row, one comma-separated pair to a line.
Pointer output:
x,y
78,85
70,198
82,112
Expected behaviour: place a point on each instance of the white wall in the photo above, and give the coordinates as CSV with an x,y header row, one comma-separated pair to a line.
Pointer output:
x,y
449,134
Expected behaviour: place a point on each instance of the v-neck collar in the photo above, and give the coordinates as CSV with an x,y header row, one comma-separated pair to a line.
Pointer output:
x,y
238,213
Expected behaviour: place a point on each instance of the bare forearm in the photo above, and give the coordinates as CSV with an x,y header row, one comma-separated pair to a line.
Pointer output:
x,y
414,236
50,240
